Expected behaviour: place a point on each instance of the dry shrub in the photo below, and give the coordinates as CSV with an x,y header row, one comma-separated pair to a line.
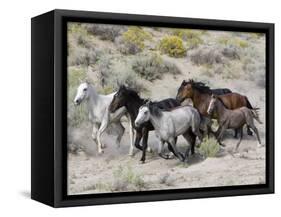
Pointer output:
x,y
233,41
83,56
81,49
126,179
105,31
112,73
206,55
152,67
230,52
75,115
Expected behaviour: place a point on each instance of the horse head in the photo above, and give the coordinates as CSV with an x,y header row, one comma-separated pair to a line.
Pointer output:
x,y
185,90
82,93
119,99
143,114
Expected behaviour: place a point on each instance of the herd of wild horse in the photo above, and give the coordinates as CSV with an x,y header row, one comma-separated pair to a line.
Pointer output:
x,y
168,118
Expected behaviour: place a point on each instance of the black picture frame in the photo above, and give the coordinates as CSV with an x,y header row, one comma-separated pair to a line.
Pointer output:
x,y
49,130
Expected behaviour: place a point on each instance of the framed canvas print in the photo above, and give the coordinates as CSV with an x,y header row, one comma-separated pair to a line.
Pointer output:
x,y
134,108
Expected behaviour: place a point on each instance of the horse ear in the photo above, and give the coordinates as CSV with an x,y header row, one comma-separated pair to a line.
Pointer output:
x,y
87,81
122,86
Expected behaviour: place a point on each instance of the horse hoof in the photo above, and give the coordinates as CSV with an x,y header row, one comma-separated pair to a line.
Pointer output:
x,y
101,152
170,156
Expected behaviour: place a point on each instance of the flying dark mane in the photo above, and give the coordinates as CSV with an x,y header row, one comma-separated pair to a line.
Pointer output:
x,y
154,109
200,86
132,93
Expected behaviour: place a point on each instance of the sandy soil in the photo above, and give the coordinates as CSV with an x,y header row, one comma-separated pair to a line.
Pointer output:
x,y
113,171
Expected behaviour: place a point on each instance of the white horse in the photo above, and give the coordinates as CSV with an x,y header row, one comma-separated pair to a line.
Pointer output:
x,y
100,116
170,124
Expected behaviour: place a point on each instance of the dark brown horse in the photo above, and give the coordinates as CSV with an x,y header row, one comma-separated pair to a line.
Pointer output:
x,y
233,119
200,94
132,101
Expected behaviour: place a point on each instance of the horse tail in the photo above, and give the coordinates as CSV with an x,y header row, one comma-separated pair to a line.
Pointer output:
x,y
256,115
248,104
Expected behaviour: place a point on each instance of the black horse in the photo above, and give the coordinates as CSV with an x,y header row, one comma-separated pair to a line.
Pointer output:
x,y
132,101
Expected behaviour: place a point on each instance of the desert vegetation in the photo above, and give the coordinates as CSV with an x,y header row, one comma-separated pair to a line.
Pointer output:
x,y
154,61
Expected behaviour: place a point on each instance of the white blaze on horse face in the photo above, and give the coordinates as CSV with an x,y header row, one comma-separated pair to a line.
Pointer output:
x,y
143,116
81,94
211,105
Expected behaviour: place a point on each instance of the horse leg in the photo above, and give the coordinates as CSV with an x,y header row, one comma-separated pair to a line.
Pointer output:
x,y
179,155
138,139
197,133
236,133
250,123
132,132
241,136
250,133
257,134
94,133
145,133
101,129
190,138
219,137
120,132
160,150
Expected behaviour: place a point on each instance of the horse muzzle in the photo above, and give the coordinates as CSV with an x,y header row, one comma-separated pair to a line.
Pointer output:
x,y
137,124
77,102
112,108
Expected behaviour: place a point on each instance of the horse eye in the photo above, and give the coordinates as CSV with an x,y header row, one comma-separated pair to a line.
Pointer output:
x,y
84,89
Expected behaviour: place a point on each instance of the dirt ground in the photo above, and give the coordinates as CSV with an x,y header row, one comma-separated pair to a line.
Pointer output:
x,y
114,170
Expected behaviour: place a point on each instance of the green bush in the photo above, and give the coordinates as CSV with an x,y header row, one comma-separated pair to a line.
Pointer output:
x,y
173,46
209,147
192,37
133,40
152,67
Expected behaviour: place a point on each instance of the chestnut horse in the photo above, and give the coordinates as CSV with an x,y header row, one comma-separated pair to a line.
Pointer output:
x,y
201,94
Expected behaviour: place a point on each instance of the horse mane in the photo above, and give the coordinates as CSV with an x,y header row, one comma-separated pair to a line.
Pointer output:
x,y
200,86
132,93
154,109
